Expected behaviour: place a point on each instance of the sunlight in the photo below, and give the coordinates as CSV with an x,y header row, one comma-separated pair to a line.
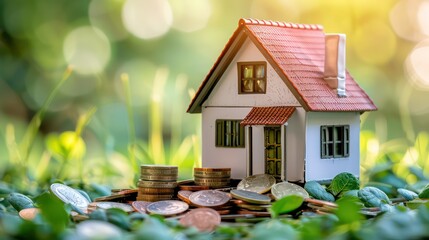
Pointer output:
x,y
87,49
147,19
190,15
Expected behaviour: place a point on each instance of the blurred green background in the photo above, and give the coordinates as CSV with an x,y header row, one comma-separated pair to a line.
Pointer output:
x,y
136,63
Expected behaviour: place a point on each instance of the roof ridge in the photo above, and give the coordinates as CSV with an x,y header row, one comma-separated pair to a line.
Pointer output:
x,y
253,21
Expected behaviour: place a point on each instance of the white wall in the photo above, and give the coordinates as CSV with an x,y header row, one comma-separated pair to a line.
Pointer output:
x,y
325,169
220,157
225,93
295,146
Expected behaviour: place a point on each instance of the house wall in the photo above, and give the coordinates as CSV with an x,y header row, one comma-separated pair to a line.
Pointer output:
x,y
221,157
295,146
326,169
225,93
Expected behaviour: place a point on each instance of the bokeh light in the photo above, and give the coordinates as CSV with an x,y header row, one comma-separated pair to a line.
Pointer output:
x,y
87,49
403,18
190,15
147,19
423,17
417,65
106,15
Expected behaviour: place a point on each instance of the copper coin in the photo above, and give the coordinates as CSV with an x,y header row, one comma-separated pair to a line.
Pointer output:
x,y
154,198
167,207
140,206
127,191
153,184
155,191
209,198
204,219
321,202
29,213
193,187
184,195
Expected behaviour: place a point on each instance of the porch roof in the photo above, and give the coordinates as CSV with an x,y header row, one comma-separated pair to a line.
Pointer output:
x,y
268,115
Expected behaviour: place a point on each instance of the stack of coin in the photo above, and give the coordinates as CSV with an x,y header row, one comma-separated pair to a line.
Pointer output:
x,y
157,182
249,202
212,177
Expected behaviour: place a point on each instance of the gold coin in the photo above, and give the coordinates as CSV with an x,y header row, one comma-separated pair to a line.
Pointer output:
x,y
209,198
153,184
163,178
260,183
156,191
158,167
251,197
283,189
213,169
29,213
167,207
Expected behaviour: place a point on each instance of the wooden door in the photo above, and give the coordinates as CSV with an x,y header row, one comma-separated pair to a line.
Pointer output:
x,y
273,151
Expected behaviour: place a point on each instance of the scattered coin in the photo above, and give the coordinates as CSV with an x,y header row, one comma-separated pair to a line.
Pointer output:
x,y
260,183
251,197
204,219
283,189
209,198
253,207
70,195
140,206
184,195
321,202
167,207
108,205
29,213
193,187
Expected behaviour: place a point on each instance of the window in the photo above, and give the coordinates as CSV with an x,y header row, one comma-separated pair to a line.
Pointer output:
x,y
252,77
229,133
335,141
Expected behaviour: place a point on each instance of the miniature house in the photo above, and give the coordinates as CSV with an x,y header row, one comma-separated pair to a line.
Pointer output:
x,y
279,100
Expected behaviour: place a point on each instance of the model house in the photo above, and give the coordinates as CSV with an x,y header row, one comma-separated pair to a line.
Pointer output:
x,y
279,100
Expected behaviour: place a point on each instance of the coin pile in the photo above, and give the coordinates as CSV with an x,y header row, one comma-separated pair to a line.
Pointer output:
x,y
157,183
249,202
212,177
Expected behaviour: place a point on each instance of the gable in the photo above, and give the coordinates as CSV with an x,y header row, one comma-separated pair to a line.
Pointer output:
x,y
296,53
225,92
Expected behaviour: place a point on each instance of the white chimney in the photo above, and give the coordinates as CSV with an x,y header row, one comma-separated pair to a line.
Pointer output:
x,y
335,62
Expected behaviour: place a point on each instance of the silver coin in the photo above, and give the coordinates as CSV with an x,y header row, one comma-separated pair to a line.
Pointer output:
x,y
209,198
251,197
167,207
259,183
70,196
283,189
107,205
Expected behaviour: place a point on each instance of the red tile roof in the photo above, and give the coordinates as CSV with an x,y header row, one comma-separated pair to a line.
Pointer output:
x,y
297,53
268,115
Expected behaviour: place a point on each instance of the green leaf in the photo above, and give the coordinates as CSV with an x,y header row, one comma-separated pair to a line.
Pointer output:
x,y
407,194
273,230
424,193
348,209
20,201
285,205
318,191
343,182
373,197
53,211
